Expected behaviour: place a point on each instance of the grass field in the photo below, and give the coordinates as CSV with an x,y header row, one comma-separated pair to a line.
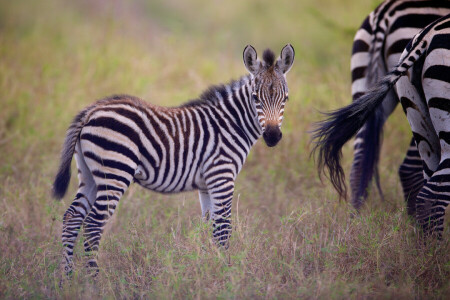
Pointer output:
x,y
292,238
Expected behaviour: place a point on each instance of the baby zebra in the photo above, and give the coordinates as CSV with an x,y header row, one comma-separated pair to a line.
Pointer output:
x,y
422,84
200,145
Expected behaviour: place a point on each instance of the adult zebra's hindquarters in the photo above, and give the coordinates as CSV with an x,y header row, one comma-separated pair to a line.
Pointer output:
x,y
422,83
377,48
200,145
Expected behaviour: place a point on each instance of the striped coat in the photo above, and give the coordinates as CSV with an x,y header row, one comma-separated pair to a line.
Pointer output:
x,y
377,48
422,84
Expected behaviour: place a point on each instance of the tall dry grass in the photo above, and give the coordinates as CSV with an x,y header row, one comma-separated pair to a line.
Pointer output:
x,y
292,238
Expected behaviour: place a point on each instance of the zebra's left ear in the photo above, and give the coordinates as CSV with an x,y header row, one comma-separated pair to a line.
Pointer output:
x,y
286,60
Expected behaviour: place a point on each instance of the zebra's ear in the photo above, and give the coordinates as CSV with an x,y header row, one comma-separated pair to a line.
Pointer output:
x,y
286,60
251,61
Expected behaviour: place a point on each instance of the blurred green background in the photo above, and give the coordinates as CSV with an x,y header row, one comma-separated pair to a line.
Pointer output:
x,y
292,237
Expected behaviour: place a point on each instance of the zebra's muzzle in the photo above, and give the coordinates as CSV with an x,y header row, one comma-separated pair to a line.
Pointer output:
x,y
272,135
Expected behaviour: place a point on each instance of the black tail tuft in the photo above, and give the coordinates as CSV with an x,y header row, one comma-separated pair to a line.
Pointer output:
x,y
331,134
341,125
61,182
62,179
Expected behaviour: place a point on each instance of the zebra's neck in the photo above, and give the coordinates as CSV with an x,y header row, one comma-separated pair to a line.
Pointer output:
x,y
235,103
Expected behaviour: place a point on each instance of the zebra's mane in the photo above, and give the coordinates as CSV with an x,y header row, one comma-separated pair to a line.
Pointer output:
x,y
216,93
269,57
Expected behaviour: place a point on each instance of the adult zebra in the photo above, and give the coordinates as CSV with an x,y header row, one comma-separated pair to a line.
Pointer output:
x,y
200,145
423,86
377,47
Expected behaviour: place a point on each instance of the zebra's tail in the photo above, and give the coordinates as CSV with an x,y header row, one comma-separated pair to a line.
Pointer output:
x,y
62,178
341,125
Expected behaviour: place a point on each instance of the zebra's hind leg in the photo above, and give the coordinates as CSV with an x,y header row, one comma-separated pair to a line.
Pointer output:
x,y
433,199
221,188
411,177
110,188
366,151
435,195
75,214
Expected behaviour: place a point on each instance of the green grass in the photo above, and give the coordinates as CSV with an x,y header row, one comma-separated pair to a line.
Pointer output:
x,y
292,238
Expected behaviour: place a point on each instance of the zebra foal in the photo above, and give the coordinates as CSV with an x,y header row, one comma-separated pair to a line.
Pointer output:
x,y
200,145
422,83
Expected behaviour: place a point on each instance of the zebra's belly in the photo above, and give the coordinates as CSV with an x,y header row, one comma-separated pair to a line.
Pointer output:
x,y
164,181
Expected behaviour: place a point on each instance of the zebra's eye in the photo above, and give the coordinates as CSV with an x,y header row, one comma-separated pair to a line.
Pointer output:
x,y
255,98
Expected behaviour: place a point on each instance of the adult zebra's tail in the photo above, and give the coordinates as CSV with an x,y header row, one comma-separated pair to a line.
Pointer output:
x,y
62,178
331,134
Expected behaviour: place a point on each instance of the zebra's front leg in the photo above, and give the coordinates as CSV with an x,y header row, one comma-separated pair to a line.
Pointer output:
x,y
221,189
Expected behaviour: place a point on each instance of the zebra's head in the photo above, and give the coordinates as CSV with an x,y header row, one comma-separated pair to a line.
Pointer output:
x,y
269,88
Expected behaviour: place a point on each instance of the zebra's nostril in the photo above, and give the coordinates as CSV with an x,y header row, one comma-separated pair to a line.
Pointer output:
x,y
280,136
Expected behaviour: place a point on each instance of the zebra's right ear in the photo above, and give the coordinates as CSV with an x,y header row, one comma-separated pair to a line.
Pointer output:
x,y
251,61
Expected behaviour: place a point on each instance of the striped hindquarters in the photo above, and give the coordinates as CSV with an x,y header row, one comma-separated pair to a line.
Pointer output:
x,y
377,47
424,95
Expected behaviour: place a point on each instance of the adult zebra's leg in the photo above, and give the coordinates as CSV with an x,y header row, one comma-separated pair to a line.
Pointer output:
x,y
75,214
220,185
367,147
359,63
420,119
433,199
411,177
435,195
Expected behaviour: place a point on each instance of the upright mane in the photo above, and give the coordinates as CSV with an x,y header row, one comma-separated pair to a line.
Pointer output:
x,y
215,93
269,57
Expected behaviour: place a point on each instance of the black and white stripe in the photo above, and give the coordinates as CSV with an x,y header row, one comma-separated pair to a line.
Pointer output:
x,y
200,145
377,47
422,84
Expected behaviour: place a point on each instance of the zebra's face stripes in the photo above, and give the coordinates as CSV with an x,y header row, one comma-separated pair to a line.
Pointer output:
x,y
269,89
